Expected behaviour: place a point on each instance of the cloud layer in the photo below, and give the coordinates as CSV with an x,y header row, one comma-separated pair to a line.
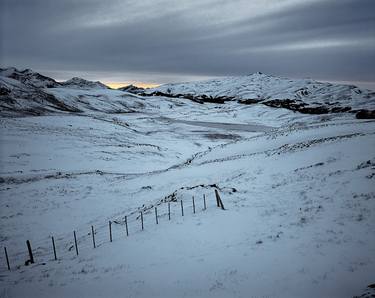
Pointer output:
x,y
165,40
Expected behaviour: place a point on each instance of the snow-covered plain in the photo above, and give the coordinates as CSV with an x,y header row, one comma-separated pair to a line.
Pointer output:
x,y
298,191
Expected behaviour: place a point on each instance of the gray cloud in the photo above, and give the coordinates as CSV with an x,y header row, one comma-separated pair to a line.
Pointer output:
x,y
168,39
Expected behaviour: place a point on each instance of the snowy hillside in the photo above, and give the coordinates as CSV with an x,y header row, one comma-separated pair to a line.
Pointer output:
x,y
28,77
17,98
306,96
298,190
29,93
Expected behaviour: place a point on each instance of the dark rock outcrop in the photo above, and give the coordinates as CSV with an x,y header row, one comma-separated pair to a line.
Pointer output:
x,y
196,98
365,114
4,90
304,108
132,89
289,104
250,101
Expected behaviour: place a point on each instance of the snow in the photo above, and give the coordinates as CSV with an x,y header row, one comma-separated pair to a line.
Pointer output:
x,y
266,87
83,84
298,191
28,77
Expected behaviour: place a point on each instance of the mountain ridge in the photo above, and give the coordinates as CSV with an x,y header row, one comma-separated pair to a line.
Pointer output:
x,y
301,95
37,80
306,96
77,82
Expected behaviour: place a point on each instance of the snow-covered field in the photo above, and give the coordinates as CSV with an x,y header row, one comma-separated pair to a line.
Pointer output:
x,y
298,190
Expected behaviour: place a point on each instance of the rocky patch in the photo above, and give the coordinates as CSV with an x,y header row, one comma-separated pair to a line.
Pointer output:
x,y
365,114
196,98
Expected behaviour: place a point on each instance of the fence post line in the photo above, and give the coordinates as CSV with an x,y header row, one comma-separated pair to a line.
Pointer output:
x,y
142,219
30,252
54,248
75,242
169,211
156,215
193,205
126,225
6,256
182,208
110,231
204,202
93,236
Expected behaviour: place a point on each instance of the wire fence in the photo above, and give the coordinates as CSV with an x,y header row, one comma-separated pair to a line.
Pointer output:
x,y
62,247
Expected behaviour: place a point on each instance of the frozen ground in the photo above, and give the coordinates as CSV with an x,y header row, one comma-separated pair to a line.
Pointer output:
x,y
298,191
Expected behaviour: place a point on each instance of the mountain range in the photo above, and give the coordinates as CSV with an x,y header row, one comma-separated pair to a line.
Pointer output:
x,y
26,91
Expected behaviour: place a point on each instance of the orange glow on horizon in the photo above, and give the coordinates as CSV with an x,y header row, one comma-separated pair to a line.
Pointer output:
x,y
116,85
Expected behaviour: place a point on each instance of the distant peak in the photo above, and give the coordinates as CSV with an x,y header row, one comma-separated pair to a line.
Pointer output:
x,y
82,83
27,70
28,77
258,74
77,79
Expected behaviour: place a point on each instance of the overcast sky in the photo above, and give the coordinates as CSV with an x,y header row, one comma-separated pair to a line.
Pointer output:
x,y
170,40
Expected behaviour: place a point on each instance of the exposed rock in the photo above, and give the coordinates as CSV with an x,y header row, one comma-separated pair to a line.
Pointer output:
x,y
302,107
4,90
132,89
250,101
365,114
196,98
289,104
340,109
313,110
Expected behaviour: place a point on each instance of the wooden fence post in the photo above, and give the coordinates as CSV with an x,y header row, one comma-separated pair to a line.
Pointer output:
x,y
30,252
142,219
6,256
126,225
110,231
193,205
75,242
156,215
218,200
182,208
169,211
204,202
93,236
54,248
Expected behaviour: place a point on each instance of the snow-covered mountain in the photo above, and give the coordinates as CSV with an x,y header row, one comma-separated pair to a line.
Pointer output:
x,y
25,92
303,95
17,98
29,91
34,79
28,77
83,84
